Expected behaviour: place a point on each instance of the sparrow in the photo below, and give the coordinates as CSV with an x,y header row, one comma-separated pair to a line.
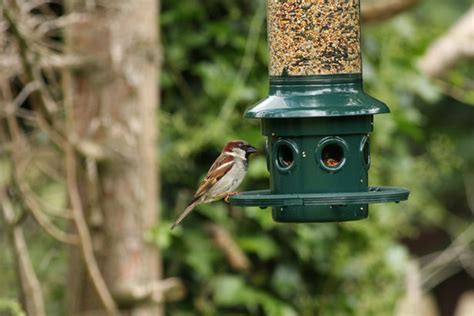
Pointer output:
x,y
224,176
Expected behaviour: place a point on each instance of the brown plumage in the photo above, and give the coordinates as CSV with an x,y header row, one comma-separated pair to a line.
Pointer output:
x,y
224,176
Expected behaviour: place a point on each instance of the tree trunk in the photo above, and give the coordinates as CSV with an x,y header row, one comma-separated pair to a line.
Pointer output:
x,y
113,106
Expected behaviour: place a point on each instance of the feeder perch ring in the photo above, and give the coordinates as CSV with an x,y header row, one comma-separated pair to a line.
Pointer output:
x,y
375,194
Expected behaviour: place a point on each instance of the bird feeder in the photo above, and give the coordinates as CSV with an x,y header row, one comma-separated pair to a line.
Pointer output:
x,y
317,117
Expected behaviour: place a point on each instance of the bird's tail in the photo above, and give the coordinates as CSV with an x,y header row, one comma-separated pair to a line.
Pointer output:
x,y
188,210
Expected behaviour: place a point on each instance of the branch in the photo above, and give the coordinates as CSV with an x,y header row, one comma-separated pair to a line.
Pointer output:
x,y
84,234
31,293
224,241
465,304
41,98
41,218
378,11
18,146
61,22
157,292
11,64
445,263
445,52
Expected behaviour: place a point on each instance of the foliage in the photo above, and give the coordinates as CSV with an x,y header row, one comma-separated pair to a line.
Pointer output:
x,y
9,307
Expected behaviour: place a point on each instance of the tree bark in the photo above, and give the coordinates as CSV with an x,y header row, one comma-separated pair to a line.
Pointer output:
x,y
113,111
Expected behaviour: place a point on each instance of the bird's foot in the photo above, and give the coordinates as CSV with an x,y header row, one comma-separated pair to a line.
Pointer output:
x,y
229,194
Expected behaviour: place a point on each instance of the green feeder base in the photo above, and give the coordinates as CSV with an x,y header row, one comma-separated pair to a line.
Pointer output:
x,y
320,207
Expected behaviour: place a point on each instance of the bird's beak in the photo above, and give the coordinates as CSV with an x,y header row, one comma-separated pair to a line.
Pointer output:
x,y
250,149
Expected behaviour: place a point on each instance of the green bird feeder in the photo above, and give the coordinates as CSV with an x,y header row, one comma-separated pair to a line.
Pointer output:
x,y
317,117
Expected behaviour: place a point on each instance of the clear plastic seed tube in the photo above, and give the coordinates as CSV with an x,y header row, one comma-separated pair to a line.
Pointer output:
x,y
314,37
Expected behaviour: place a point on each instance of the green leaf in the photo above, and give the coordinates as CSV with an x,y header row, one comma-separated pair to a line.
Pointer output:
x,y
10,308
262,245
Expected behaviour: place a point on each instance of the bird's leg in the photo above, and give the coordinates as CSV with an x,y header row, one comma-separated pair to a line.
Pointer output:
x,y
229,194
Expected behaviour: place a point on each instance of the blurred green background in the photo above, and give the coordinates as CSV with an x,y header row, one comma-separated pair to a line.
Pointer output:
x,y
214,67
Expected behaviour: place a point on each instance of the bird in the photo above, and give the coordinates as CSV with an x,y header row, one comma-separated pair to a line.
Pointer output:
x,y
224,176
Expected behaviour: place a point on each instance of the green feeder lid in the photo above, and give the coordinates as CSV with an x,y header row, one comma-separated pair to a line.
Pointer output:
x,y
316,96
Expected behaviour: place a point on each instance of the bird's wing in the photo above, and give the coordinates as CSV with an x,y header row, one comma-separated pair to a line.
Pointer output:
x,y
218,169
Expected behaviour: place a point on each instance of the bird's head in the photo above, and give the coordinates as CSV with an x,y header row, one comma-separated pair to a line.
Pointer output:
x,y
239,148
